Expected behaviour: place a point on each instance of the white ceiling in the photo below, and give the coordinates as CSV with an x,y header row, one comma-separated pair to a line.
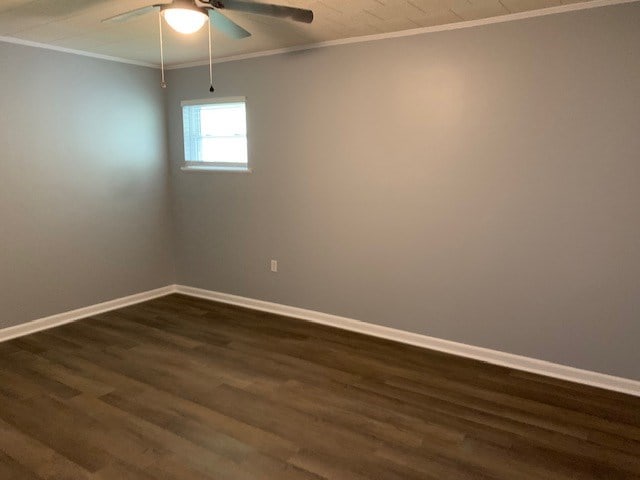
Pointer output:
x,y
75,24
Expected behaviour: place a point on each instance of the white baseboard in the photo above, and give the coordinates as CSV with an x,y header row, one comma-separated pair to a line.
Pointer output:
x,y
73,315
495,357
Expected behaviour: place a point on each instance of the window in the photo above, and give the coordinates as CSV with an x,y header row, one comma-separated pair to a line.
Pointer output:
x,y
215,134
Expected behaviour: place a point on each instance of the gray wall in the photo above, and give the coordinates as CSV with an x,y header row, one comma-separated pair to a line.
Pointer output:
x,y
84,212
479,185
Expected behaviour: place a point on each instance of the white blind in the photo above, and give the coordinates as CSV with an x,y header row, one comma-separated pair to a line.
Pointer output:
x,y
215,133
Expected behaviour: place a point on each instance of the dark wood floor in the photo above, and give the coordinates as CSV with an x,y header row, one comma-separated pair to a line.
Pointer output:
x,y
180,388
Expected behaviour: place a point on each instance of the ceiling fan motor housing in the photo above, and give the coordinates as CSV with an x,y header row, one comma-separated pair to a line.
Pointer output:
x,y
185,4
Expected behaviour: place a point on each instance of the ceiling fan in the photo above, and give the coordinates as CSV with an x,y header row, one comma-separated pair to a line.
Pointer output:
x,y
188,16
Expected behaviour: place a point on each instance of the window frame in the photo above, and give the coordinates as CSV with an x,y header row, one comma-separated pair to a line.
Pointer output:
x,y
201,166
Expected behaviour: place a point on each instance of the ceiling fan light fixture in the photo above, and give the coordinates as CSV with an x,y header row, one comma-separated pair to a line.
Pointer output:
x,y
185,20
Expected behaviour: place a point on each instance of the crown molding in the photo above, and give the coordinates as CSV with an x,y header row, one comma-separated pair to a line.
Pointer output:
x,y
46,46
414,31
333,43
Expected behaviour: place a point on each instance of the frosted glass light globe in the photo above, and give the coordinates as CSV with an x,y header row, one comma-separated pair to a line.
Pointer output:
x,y
185,20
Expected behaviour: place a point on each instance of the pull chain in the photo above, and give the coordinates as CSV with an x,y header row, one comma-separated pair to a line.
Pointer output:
x,y
211,89
163,84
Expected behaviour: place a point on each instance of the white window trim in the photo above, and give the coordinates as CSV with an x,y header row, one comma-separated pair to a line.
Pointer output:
x,y
204,167
191,166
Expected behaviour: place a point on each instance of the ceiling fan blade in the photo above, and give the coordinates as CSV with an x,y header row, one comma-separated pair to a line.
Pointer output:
x,y
226,25
124,17
280,11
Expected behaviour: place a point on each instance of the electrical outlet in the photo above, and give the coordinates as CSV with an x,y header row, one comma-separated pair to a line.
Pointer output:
x,y
274,265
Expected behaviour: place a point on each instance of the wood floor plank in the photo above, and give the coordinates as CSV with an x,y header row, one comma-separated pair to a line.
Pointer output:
x,y
180,387
9,468
38,458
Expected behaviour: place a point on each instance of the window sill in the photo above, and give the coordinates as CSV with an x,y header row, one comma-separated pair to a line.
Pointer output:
x,y
215,169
